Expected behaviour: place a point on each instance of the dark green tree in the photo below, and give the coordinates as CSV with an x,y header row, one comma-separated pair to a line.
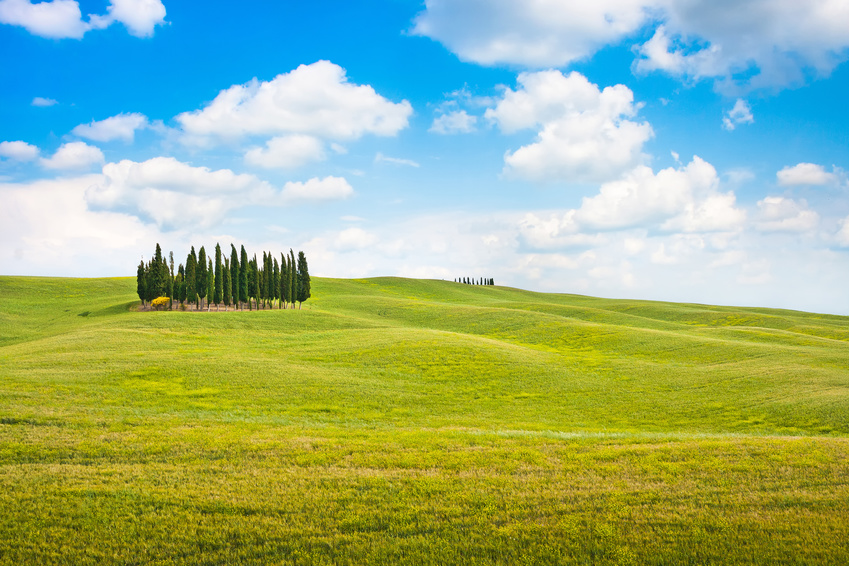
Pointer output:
x,y
284,280
303,279
171,280
253,290
227,284
275,282
201,285
293,275
191,278
159,283
180,284
243,277
141,282
234,273
218,287
210,283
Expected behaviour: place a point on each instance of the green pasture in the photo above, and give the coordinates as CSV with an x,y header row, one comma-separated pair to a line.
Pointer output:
x,y
396,421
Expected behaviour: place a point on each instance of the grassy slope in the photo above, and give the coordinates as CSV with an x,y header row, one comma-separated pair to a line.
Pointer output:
x,y
411,421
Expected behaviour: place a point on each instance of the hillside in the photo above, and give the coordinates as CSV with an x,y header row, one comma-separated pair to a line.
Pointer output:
x,y
410,421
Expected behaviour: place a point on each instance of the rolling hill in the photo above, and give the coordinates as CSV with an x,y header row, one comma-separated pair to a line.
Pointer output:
x,y
418,422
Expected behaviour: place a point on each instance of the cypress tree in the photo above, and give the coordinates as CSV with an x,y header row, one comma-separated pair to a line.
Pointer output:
x,y
218,291
293,279
227,284
180,283
156,273
171,281
201,285
252,282
275,282
234,273
267,275
141,282
150,282
243,277
191,277
260,282
303,279
284,281
210,283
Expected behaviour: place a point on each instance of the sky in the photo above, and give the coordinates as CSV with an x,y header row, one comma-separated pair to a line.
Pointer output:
x,y
676,150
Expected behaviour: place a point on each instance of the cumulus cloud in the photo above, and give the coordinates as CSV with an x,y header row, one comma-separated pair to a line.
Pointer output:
x,y
769,43
44,102
316,100
539,33
806,174
685,200
740,114
456,122
772,43
286,152
174,194
780,214
122,126
60,19
47,228
18,150
73,155
682,199
583,132
317,190
138,16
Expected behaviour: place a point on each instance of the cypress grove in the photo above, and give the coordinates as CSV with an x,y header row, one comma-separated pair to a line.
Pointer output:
x,y
234,281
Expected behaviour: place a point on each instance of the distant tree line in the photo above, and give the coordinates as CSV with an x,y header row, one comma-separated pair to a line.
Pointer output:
x,y
236,280
473,281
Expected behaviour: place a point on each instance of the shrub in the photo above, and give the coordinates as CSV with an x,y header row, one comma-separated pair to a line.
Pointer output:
x,y
159,303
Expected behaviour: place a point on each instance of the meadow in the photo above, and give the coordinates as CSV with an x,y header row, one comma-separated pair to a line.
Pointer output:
x,y
397,421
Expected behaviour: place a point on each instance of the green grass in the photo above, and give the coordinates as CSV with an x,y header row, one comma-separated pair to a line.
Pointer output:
x,y
418,422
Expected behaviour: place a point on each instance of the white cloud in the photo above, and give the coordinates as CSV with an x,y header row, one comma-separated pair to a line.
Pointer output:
x,y
43,102
714,213
74,155
286,152
780,214
59,19
536,33
174,194
56,19
316,100
18,150
138,16
317,190
805,174
379,157
740,114
456,122
122,126
46,228
769,42
583,132
683,200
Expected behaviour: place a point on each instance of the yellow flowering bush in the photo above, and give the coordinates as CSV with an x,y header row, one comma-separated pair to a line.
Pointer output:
x,y
159,303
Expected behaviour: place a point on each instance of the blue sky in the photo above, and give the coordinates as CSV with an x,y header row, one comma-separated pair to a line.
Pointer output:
x,y
677,150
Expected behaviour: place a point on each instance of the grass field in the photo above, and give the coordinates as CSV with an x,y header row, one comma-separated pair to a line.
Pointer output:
x,y
395,421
